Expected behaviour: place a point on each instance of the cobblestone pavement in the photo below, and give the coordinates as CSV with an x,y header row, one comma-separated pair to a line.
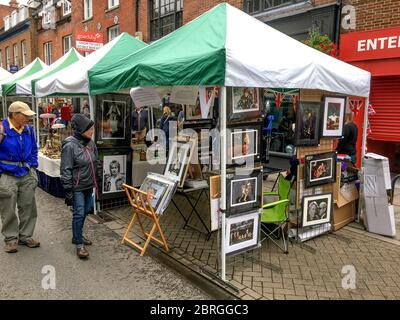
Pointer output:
x,y
310,271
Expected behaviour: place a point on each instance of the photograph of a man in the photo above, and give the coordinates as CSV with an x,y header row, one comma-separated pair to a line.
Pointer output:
x,y
114,173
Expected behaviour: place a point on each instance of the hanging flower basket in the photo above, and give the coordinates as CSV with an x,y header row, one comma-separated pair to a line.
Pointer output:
x,y
321,42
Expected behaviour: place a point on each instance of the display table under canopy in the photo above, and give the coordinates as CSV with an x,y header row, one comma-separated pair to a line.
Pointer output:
x,y
49,175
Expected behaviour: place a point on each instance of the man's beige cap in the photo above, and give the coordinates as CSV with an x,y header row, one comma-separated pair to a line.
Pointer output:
x,y
22,107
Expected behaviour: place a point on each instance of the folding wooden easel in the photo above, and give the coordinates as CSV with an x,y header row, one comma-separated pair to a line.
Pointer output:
x,y
140,202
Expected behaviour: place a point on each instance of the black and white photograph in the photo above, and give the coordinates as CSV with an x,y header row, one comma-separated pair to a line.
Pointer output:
x,y
114,173
308,118
113,119
243,191
156,190
317,209
178,160
333,120
320,169
242,232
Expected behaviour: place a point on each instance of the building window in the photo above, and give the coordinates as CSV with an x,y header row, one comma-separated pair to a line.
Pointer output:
x,y
113,32
8,62
14,18
48,53
67,43
6,23
66,7
113,3
23,50
88,9
15,48
165,17
1,59
255,6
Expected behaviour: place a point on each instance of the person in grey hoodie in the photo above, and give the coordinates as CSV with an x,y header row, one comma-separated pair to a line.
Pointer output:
x,y
78,176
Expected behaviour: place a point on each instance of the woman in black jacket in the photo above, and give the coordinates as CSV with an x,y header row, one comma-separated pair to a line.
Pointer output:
x,y
78,176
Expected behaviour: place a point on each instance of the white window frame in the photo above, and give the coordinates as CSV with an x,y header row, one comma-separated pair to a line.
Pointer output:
x,y
8,58
66,6
15,51
113,4
7,20
48,52
111,33
23,52
87,9
1,58
14,18
69,39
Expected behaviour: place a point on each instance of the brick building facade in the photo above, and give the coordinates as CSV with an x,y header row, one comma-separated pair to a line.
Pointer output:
x,y
374,45
16,36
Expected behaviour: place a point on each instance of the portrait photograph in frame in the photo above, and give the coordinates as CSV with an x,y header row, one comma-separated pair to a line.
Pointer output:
x,y
243,144
242,232
317,209
113,120
116,166
333,118
319,169
244,191
243,105
308,119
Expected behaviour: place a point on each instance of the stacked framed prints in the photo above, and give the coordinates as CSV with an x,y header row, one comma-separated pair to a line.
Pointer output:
x,y
160,189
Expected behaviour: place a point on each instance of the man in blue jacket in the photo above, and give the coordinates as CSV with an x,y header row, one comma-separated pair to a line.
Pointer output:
x,y
18,179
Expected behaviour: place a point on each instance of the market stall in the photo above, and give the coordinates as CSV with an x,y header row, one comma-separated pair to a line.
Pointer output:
x,y
227,48
4,74
52,123
110,112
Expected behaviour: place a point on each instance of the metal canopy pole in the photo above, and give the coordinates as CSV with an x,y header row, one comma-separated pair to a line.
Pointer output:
x,y
223,179
35,108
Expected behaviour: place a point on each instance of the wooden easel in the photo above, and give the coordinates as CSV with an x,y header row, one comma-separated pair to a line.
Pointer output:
x,y
140,202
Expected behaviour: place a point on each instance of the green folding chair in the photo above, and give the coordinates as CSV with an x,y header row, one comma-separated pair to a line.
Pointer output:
x,y
276,212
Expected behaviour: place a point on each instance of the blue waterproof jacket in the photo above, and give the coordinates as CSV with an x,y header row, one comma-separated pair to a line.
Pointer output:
x,y
20,149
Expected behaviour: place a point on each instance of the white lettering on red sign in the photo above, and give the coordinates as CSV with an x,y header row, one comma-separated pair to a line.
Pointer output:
x,y
378,44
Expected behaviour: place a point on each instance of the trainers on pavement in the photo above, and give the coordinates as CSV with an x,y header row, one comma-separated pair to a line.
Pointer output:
x,y
30,243
11,247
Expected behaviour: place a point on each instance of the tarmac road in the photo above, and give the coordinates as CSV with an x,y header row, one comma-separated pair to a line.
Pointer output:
x,y
113,271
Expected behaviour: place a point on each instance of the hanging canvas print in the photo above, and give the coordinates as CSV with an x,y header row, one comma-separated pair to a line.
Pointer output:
x,y
334,110
317,209
308,118
242,232
320,169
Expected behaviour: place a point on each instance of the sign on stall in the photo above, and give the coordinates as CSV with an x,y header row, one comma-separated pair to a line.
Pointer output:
x,y
184,95
88,41
143,97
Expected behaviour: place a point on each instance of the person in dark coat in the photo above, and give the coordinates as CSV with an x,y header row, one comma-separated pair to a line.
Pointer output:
x,y
78,177
348,142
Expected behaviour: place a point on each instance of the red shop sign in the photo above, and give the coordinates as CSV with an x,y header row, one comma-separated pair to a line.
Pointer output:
x,y
370,45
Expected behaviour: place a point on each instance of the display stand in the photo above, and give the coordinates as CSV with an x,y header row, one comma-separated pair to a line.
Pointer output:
x,y
187,193
140,202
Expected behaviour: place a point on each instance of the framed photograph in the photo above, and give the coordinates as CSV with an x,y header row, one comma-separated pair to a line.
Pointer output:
x,y
308,119
243,143
320,169
113,120
179,157
334,111
242,232
116,170
243,191
160,190
243,104
317,209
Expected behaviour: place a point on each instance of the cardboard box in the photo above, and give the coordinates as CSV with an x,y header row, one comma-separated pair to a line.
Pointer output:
x,y
343,215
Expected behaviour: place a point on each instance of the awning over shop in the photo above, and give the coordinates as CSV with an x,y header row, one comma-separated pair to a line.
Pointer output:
x,y
226,46
26,86
8,86
73,80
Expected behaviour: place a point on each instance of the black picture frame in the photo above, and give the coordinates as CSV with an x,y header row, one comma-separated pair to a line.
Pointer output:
x,y
236,182
243,144
113,120
111,187
314,212
308,124
193,112
319,169
248,112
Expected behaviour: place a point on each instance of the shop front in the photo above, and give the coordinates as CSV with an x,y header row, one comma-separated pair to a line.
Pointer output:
x,y
378,51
